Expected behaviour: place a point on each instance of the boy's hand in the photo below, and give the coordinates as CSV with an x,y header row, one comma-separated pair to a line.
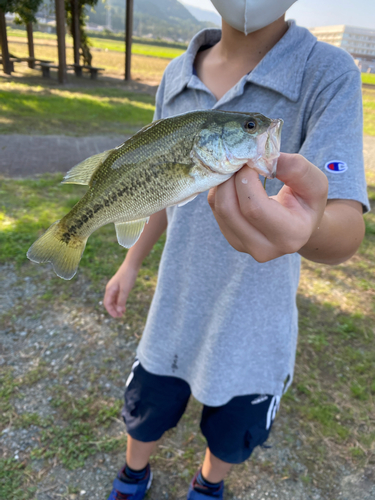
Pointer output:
x,y
269,227
117,291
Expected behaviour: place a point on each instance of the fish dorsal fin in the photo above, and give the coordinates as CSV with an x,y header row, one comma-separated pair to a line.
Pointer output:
x,y
83,172
187,200
129,232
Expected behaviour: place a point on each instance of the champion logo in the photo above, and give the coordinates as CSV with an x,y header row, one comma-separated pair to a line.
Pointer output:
x,y
336,167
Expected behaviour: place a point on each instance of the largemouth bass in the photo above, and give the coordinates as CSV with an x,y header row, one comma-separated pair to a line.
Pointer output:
x,y
168,162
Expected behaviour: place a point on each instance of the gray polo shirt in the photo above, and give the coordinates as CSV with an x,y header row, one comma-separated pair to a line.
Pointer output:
x,y
220,320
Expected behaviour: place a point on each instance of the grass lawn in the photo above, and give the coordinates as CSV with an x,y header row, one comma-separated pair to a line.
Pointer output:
x,y
77,111
369,111
368,78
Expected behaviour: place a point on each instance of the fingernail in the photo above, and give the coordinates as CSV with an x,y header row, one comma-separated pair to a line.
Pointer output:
x,y
244,180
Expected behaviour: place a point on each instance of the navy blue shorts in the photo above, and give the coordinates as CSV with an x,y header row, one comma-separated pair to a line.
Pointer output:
x,y
155,404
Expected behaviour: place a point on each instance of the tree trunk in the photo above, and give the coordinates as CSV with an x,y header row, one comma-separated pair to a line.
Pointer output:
x,y
60,31
75,30
30,41
4,44
128,38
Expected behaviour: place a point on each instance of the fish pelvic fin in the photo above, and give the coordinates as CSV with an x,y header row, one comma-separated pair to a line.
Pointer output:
x,y
60,248
129,232
82,172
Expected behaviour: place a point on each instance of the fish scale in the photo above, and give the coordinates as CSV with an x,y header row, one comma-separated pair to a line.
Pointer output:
x,y
166,163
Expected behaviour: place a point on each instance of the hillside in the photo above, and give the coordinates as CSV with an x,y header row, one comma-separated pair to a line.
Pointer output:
x,y
162,19
203,15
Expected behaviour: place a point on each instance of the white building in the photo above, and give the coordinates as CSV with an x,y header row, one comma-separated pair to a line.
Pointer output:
x,y
359,42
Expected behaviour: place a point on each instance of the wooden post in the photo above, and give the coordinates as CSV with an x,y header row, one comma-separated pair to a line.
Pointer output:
x,y
4,44
30,41
128,38
75,30
60,31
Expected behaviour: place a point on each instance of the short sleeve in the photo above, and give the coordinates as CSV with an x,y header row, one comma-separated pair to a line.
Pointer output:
x,y
159,98
334,138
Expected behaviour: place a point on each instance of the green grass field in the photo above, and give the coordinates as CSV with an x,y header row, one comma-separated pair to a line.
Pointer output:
x,y
81,111
369,111
368,78
107,44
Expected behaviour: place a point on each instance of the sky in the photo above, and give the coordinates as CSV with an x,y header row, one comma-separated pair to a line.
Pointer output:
x,y
311,13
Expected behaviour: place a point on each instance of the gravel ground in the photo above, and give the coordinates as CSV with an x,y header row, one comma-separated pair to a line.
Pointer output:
x,y
77,332
52,334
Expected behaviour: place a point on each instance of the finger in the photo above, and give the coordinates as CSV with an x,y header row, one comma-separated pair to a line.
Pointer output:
x,y
236,229
121,300
263,213
253,200
110,301
305,179
283,220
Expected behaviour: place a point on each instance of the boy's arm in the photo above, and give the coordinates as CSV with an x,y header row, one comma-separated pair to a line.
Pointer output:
x,y
298,219
120,285
339,234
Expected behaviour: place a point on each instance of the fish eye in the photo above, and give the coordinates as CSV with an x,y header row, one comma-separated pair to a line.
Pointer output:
x,y
250,126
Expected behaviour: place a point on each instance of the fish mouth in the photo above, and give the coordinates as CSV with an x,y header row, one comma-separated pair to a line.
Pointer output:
x,y
268,150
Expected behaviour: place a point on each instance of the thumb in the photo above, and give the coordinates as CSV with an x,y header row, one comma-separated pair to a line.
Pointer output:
x,y
302,177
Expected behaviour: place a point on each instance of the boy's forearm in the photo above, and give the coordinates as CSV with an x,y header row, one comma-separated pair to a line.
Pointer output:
x,y
339,234
151,233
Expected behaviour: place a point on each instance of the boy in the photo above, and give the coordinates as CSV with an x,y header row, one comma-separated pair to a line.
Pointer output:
x,y
223,321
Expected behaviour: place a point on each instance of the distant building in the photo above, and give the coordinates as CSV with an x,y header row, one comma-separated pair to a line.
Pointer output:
x,y
359,42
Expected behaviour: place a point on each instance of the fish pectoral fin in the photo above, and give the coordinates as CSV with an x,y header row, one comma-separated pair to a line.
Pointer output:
x,y
129,232
83,172
187,200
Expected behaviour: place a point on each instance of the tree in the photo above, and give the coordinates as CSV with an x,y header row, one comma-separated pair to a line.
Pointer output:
x,y
75,13
25,10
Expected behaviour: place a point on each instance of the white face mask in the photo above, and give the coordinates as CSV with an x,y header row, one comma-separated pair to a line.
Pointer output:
x,y
251,15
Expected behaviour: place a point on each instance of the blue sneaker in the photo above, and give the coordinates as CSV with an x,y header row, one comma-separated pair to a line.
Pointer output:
x,y
131,491
199,492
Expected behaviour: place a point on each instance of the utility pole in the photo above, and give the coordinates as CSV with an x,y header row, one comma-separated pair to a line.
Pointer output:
x,y
128,38
109,16
60,31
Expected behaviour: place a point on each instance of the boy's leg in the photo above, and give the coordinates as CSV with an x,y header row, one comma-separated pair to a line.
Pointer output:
x,y
138,453
232,432
153,404
214,469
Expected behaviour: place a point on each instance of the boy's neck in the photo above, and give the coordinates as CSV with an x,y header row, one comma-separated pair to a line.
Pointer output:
x,y
235,45
223,65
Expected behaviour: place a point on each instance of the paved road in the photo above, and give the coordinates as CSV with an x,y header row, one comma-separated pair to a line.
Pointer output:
x,y
26,155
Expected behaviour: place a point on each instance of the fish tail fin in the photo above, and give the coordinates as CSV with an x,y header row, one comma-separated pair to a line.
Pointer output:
x,y
60,248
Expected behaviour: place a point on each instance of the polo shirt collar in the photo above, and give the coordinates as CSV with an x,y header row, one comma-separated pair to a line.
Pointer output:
x,y
281,69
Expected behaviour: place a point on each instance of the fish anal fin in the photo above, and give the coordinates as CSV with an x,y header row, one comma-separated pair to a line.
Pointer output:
x,y
83,172
129,232
187,200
